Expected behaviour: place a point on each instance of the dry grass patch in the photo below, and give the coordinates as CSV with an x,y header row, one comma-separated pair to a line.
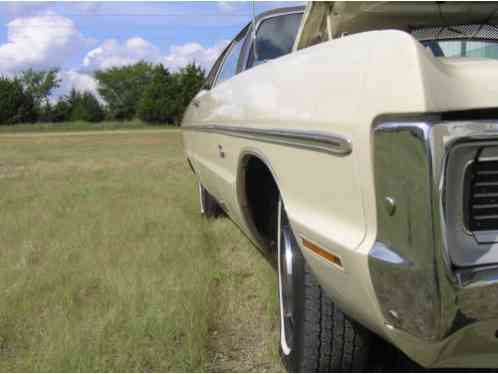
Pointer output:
x,y
106,264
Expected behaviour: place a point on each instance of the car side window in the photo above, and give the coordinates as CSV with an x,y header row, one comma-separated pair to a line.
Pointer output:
x,y
229,68
274,38
214,70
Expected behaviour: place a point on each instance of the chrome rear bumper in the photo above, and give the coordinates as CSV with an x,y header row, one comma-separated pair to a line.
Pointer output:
x,y
438,314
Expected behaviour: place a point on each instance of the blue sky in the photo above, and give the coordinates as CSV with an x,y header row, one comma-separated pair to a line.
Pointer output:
x,y
80,37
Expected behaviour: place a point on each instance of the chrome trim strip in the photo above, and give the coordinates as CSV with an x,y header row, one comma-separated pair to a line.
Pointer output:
x,y
314,140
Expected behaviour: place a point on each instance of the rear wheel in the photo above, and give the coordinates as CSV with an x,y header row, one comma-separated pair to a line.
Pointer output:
x,y
315,335
209,206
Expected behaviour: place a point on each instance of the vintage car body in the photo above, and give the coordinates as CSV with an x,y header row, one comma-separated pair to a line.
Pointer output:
x,y
369,138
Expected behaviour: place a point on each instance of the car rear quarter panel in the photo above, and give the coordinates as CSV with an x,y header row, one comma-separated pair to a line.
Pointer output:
x,y
344,86
316,89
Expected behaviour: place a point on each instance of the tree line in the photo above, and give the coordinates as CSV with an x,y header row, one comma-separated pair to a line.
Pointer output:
x,y
146,91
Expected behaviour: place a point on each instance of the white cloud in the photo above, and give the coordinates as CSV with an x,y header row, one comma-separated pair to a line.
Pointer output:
x,y
112,53
78,80
38,42
181,55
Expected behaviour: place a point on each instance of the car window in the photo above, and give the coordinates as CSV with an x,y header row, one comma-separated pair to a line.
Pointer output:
x,y
274,38
229,68
463,48
214,70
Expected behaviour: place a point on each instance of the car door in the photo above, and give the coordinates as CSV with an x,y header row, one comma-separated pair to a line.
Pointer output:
x,y
275,35
220,106
204,149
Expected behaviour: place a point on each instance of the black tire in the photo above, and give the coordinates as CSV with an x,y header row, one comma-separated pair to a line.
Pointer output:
x,y
316,336
208,204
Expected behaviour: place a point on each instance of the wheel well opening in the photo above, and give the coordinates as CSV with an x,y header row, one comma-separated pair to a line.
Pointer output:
x,y
260,200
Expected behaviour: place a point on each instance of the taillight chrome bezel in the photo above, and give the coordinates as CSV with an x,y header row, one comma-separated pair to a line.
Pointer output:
x,y
466,245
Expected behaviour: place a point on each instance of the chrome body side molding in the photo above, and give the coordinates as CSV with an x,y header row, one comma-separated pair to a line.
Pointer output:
x,y
314,140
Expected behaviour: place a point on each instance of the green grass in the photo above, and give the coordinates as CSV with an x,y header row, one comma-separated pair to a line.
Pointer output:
x,y
79,126
106,264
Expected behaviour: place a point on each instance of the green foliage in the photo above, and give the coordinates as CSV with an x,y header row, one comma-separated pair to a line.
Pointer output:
x,y
142,90
190,81
16,105
40,84
168,95
45,113
122,88
159,103
85,107
61,111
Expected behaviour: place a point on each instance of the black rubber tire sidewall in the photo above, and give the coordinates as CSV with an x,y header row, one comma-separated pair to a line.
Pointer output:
x,y
294,359
324,338
211,207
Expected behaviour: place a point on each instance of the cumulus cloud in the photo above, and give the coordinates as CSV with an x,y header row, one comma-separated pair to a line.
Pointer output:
x,y
39,42
112,53
181,55
79,81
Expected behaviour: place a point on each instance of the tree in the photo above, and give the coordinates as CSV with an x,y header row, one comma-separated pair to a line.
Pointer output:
x,y
16,105
123,87
45,113
39,84
159,102
190,80
85,107
61,111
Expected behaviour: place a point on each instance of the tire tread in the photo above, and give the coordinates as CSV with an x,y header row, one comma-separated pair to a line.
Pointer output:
x,y
332,341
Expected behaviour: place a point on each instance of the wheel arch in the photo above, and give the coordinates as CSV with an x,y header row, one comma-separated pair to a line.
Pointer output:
x,y
253,167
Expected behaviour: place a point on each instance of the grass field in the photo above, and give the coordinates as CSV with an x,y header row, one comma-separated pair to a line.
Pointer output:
x,y
78,126
106,264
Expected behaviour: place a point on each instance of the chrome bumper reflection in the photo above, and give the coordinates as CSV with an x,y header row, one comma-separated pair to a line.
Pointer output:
x,y
419,290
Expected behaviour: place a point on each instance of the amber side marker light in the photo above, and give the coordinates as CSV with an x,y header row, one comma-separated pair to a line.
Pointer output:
x,y
323,253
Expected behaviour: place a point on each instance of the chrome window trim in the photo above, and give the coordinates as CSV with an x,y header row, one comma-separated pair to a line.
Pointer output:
x,y
258,24
327,142
217,65
229,49
241,38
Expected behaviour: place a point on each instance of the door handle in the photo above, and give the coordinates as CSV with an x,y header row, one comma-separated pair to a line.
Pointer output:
x,y
221,151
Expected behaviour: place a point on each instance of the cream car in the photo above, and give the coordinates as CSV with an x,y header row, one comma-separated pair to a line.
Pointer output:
x,y
356,144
